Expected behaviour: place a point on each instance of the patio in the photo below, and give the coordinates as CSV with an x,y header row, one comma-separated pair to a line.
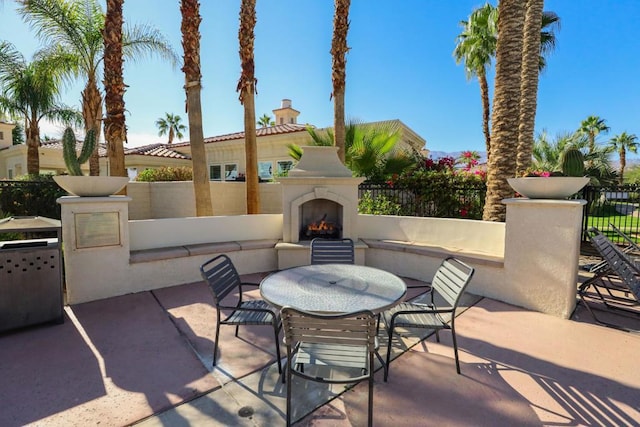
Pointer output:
x,y
145,358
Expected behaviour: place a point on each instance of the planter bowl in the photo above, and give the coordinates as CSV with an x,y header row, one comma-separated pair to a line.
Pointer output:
x,y
91,186
553,187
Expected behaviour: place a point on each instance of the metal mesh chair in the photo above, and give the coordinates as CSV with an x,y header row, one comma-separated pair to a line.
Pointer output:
x,y
223,279
449,282
617,286
325,343
332,251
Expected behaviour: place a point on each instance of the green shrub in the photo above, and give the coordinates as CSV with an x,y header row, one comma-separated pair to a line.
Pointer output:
x,y
31,195
380,205
166,173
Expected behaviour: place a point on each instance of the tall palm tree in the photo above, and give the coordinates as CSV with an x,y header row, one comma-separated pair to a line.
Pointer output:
x,y
529,83
247,88
30,90
339,51
190,27
170,125
115,130
74,27
265,121
592,126
476,45
622,143
504,119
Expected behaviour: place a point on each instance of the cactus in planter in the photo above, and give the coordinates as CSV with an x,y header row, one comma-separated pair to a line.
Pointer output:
x,y
572,162
71,158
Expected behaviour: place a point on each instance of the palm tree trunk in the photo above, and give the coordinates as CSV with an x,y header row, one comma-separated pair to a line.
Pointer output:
x,y
114,124
504,121
623,163
171,134
190,10
92,114
247,87
486,110
32,132
339,51
529,83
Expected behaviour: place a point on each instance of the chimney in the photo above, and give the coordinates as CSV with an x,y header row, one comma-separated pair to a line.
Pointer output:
x,y
286,114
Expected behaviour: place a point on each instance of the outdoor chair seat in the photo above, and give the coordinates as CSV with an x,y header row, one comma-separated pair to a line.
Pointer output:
x,y
223,280
449,283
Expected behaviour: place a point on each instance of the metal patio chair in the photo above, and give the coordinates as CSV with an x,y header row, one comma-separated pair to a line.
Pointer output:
x,y
332,251
617,286
449,282
630,248
223,279
330,349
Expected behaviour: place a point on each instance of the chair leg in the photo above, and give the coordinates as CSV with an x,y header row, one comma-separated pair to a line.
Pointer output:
x,y
384,366
388,364
289,385
215,343
455,348
276,330
237,327
370,424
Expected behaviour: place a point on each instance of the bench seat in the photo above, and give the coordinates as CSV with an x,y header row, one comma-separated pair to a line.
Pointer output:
x,y
158,254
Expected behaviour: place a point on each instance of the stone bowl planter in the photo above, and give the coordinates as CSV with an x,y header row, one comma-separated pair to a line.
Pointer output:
x,y
553,187
91,186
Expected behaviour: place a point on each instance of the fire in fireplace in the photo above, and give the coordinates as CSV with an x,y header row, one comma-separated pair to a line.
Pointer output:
x,y
320,228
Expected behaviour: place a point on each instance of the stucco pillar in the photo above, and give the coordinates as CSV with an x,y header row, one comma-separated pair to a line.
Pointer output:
x,y
95,236
542,248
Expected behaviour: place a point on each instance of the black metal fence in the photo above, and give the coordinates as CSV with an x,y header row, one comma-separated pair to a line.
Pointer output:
x,y
26,198
617,205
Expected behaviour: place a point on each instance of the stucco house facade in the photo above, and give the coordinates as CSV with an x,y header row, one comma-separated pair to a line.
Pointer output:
x,y
225,153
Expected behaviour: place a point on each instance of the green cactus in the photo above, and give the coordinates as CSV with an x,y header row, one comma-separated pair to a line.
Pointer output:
x,y
71,158
572,162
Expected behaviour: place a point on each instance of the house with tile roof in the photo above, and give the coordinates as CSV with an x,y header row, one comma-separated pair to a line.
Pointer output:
x,y
225,153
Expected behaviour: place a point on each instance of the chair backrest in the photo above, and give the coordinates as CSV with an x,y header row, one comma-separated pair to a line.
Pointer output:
x,y
221,275
618,261
451,280
357,328
332,251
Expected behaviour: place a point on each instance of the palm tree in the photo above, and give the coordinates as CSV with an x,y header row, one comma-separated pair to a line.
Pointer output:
x,y
31,91
247,88
74,28
529,83
370,149
504,120
339,51
265,121
115,130
170,125
476,45
592,126
190,27
622,143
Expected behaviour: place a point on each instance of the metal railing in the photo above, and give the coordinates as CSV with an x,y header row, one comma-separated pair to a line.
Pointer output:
x,y
617,205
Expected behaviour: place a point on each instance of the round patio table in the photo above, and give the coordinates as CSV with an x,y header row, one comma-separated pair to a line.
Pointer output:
x,y
341,288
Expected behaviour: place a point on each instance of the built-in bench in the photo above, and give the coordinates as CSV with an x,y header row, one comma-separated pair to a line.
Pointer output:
x,y
158,254
425,249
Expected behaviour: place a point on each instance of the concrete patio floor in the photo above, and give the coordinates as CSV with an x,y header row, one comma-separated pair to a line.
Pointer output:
x,y
146,359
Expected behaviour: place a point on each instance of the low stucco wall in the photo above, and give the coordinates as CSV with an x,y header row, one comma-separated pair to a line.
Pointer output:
x,y
153,200
534,256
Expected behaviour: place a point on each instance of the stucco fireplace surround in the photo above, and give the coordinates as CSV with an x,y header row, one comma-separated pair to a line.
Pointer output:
x,y
319,198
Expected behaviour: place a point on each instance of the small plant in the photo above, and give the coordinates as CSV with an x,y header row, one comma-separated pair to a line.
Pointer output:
x,y
71,158
572,162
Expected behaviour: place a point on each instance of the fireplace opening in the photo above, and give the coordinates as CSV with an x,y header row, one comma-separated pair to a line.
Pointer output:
x,y
320,218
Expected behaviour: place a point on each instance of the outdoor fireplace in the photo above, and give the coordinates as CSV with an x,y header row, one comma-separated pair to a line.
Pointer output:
x,y
319,197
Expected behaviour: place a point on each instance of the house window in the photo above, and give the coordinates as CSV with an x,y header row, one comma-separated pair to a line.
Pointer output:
x,y
230,172
1,135
281,120
265,170
10,174
215,172
284,166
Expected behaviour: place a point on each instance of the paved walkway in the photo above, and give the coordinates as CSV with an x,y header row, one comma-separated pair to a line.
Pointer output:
x,y
146,358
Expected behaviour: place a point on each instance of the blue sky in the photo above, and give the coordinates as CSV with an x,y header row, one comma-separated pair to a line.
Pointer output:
x,y
400,67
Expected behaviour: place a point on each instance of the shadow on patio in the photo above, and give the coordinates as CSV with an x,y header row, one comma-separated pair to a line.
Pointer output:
x,y
146,358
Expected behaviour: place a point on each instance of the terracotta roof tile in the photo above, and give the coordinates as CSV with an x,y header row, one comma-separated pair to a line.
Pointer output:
x,y
56,144
266,131
157,150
